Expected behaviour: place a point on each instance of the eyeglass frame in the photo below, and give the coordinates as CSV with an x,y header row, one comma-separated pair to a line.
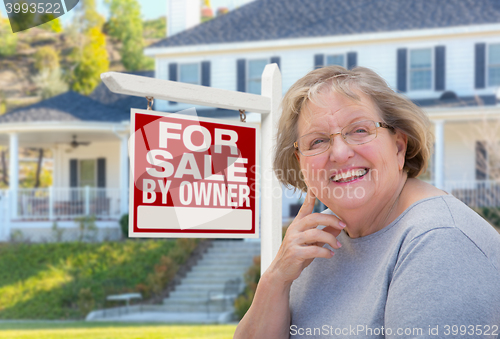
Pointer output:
x,y
377,125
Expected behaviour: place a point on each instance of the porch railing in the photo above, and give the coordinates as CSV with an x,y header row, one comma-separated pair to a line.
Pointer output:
x,y
478,193
68,203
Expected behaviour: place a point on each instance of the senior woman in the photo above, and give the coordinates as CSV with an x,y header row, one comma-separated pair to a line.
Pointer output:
x,y
392,256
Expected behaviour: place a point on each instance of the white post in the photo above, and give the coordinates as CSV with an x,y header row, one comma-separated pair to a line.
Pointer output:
x,y
439,154
87,200
14,172
51,203
123,174
271,224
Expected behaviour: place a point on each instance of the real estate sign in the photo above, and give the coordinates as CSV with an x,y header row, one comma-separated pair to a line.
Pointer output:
x,y
192,177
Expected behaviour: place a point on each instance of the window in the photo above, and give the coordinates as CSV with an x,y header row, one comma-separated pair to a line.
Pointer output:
x,y
255,69
336,59
494,65
421,69
87,174
189,73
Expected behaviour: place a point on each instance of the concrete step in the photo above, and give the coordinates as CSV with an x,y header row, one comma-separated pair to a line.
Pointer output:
x,y
223,261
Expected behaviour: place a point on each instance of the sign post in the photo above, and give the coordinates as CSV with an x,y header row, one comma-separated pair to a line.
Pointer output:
x,y
266,104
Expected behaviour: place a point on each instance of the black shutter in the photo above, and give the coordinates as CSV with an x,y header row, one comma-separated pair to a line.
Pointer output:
x,y
352,60
101,172
172,76
241,77
276,60
205,73
481,160
401,69
319,60
73,173
440,71
480,65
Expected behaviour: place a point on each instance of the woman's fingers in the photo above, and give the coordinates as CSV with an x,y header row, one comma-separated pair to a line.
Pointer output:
x,y
308,205
319,219
319,237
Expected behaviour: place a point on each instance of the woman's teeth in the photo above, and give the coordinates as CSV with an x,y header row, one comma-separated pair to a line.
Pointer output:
x,y
349,175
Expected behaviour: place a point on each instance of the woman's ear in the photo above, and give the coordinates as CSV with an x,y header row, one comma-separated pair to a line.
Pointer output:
x,y
401,145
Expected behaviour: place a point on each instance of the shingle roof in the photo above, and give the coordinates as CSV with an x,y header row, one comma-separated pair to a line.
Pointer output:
x,y
120,101
69,106
284,19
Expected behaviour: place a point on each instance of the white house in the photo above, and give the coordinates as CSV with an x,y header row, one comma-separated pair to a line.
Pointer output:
x,y
444,55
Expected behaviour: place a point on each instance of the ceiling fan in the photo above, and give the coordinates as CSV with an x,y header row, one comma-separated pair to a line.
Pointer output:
x,y
75,144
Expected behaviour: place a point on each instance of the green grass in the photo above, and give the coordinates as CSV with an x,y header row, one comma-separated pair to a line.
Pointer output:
x,y
80,330
45,281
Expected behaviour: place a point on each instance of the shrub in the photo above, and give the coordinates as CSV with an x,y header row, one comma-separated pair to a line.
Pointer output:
x,y
244,300
124,225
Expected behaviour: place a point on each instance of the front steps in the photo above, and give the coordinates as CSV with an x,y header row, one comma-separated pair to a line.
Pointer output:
x,y
227,259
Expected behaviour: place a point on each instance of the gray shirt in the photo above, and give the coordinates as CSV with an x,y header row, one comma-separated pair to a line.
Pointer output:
x,y
432,273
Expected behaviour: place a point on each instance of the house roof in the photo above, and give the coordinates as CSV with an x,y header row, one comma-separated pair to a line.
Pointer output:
x,y
103,95
69,106
285,19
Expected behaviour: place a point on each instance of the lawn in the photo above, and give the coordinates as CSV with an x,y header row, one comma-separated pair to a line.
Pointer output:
x,y
84,330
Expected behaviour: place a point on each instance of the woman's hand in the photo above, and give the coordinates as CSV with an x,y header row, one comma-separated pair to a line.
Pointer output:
x,y
304,241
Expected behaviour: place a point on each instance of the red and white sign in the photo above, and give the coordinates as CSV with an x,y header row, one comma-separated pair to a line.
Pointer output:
x,y
192,177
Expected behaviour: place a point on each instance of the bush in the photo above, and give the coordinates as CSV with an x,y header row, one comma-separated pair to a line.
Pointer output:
x,y
244,300
124,225
490,214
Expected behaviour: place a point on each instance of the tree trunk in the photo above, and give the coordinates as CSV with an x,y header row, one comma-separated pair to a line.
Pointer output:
x,y
39,167
4,169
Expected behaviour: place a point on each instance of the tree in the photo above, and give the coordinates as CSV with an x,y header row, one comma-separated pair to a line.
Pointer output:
x,y
93,61
50,82
125,25
8,40
90,58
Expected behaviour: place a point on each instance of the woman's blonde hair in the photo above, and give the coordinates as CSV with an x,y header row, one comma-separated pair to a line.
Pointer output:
x,y
394,109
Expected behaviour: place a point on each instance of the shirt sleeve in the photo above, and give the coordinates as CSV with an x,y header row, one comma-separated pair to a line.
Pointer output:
x,y
443,286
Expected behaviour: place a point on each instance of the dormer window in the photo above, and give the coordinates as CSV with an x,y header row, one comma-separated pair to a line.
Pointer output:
x,y
420,69
494,65
189,73
335,59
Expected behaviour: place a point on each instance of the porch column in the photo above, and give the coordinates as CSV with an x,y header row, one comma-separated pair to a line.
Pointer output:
x,y
13,172
439,154
124,176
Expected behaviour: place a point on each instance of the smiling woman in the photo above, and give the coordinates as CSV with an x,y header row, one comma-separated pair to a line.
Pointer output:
x,y
373,261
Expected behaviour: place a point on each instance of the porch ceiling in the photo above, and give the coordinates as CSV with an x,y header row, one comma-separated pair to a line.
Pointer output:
x,y
37,136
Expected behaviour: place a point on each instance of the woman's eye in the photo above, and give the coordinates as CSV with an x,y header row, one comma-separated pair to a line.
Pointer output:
x,y
317,142
360,131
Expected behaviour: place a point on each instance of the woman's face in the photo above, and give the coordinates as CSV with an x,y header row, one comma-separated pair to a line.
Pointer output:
x,y
350,176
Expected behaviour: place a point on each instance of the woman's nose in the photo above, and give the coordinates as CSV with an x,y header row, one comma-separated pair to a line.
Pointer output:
x,y
340,150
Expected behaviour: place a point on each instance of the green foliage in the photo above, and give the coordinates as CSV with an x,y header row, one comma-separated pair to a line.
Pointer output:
x,y
46,57
50,83
47,281
8,40
124,225
52,26
155,29
244,300
125,25
87,228
490,214
57,232
91,62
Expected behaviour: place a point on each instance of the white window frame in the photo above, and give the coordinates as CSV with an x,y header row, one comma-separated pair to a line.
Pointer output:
x,y
343,54
189,63
247,70
79,171
409,70
487,66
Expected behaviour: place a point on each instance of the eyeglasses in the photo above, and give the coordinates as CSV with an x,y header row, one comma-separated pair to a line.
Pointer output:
x,y
358,133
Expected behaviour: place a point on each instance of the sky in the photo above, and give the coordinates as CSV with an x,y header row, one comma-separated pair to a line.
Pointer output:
x,y
150,9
